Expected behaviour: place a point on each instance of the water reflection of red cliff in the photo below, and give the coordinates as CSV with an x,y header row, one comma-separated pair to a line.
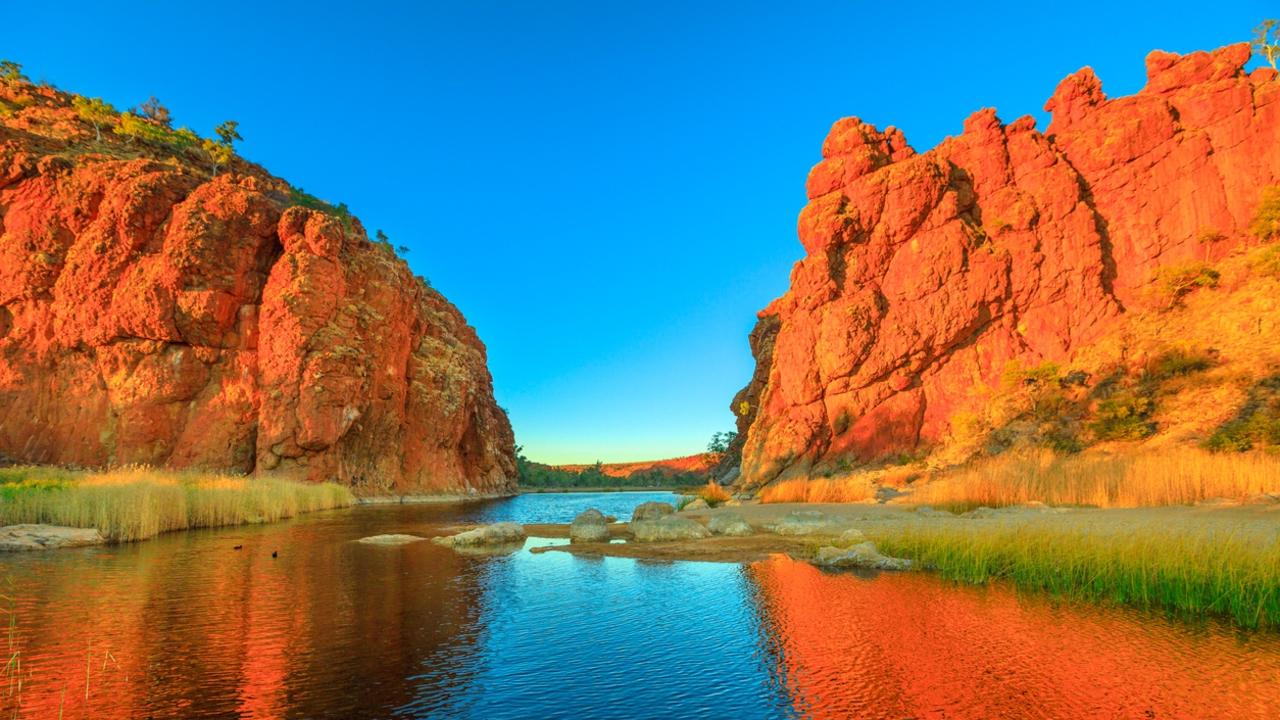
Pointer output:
x,y
909,645
182,627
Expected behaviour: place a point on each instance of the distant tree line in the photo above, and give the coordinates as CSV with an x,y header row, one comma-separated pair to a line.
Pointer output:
x,y
537,475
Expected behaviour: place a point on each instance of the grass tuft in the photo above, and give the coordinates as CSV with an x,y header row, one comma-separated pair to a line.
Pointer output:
x,y
1201,569
136,503
713,494
1170,477
819,490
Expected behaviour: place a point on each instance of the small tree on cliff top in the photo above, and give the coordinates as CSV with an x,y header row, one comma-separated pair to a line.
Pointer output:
x,y
221,150
153,111
228,132
10,70
1266,41
96,111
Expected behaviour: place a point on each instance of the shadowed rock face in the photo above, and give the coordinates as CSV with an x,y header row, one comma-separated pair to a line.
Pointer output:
x,y
150,314
925,274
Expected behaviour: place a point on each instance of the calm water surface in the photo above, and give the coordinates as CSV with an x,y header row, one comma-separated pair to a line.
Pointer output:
x,y
184,626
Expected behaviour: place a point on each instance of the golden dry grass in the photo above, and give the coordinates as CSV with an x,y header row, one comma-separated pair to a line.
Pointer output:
x,y
1191,567
137,503
713,494
1181,476
848,489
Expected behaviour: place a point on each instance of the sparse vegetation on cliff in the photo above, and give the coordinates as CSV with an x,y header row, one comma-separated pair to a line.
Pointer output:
x,y
138,503
1266,41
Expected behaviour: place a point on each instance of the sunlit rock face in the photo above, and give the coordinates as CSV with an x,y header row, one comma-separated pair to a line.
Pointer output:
x,y
152,314
926,274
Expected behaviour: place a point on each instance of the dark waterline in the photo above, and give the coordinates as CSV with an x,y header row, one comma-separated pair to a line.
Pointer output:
x,y
184,626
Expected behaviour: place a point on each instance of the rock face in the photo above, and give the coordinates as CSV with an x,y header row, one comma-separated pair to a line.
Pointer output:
x,y
926,274
152,314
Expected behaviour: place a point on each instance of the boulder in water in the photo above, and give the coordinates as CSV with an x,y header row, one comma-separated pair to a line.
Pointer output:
x,y
503,533
390,539
589,527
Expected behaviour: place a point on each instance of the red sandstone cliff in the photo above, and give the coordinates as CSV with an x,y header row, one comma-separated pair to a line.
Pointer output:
x,y
926,274
150,313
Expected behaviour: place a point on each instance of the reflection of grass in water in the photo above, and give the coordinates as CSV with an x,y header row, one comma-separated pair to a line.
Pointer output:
x,y
1184,566
12,672
1169,477
13,665
138,503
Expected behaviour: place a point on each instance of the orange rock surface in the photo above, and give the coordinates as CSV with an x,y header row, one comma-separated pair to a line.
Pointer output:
x,y
151,313
925,274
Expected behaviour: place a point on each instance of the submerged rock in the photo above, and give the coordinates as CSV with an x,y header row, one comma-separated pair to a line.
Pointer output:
x,y
729,523
47,537
668,527
651,511
589,527
862,555
503,533
391,539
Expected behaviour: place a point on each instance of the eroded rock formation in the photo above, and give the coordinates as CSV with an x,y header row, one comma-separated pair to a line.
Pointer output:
x,y
150,313
926,274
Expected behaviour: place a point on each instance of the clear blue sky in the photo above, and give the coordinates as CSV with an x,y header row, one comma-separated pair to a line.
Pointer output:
x,y
608,191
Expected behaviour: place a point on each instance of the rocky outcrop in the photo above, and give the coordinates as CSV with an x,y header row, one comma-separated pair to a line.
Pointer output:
x,y
926,274
153,314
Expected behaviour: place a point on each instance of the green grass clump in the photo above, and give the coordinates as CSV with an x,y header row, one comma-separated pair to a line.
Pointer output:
x,y
1266,221
138,503
1191,569
1266,261
1256,425
298,196
1176,281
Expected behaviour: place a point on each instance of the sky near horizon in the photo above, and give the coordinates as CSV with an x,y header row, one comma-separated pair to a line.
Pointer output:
x,y
607,191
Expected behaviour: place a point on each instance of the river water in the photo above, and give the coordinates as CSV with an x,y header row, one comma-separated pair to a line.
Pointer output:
x,y
185,626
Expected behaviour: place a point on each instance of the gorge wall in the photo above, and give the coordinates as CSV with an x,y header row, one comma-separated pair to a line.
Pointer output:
x,y
151,313
926,275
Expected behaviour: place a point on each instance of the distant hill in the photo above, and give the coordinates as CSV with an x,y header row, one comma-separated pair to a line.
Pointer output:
x,y
700,463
